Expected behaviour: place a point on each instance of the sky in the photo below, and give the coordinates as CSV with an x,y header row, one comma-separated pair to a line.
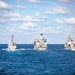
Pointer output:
x,y
26,19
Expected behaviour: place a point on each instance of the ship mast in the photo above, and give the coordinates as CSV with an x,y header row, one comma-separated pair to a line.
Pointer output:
x,y
69,36
41,36
12,39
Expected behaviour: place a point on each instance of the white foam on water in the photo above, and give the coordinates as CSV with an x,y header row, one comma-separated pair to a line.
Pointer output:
x,y
16,49
24,49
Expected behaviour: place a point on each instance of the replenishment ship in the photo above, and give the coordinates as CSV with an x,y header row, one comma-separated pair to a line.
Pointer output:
x,y
12,45
40,43
69,44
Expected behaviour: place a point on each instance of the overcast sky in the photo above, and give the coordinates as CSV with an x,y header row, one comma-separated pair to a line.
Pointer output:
x,y
26,19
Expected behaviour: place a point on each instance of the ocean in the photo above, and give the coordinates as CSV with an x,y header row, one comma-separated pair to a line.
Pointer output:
x,y
27,61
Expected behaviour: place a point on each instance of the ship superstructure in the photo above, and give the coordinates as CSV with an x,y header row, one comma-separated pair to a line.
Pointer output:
x,y
69,44
40,43
12,45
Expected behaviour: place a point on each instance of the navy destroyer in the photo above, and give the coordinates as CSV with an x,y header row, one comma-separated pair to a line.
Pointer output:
x,y
12,45
69,44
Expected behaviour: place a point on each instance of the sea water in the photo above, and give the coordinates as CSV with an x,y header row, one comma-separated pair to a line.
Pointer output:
x,y
27,61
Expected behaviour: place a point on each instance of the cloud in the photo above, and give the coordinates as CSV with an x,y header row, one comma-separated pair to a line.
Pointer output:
x,y
57,10
28,26
24,28
16,17
20,6
66,20
4,5
34,1
69,20
24,22
59,21
46,22
10,14
70,29
53,30
8,17
27,19
65,1
13,27
25,7
39,15
2,20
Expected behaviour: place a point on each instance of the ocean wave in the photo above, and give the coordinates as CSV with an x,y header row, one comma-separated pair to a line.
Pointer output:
x,y
17,49
22,49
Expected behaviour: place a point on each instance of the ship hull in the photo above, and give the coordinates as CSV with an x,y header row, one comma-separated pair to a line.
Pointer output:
x,y
40,48
11,47
70,49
